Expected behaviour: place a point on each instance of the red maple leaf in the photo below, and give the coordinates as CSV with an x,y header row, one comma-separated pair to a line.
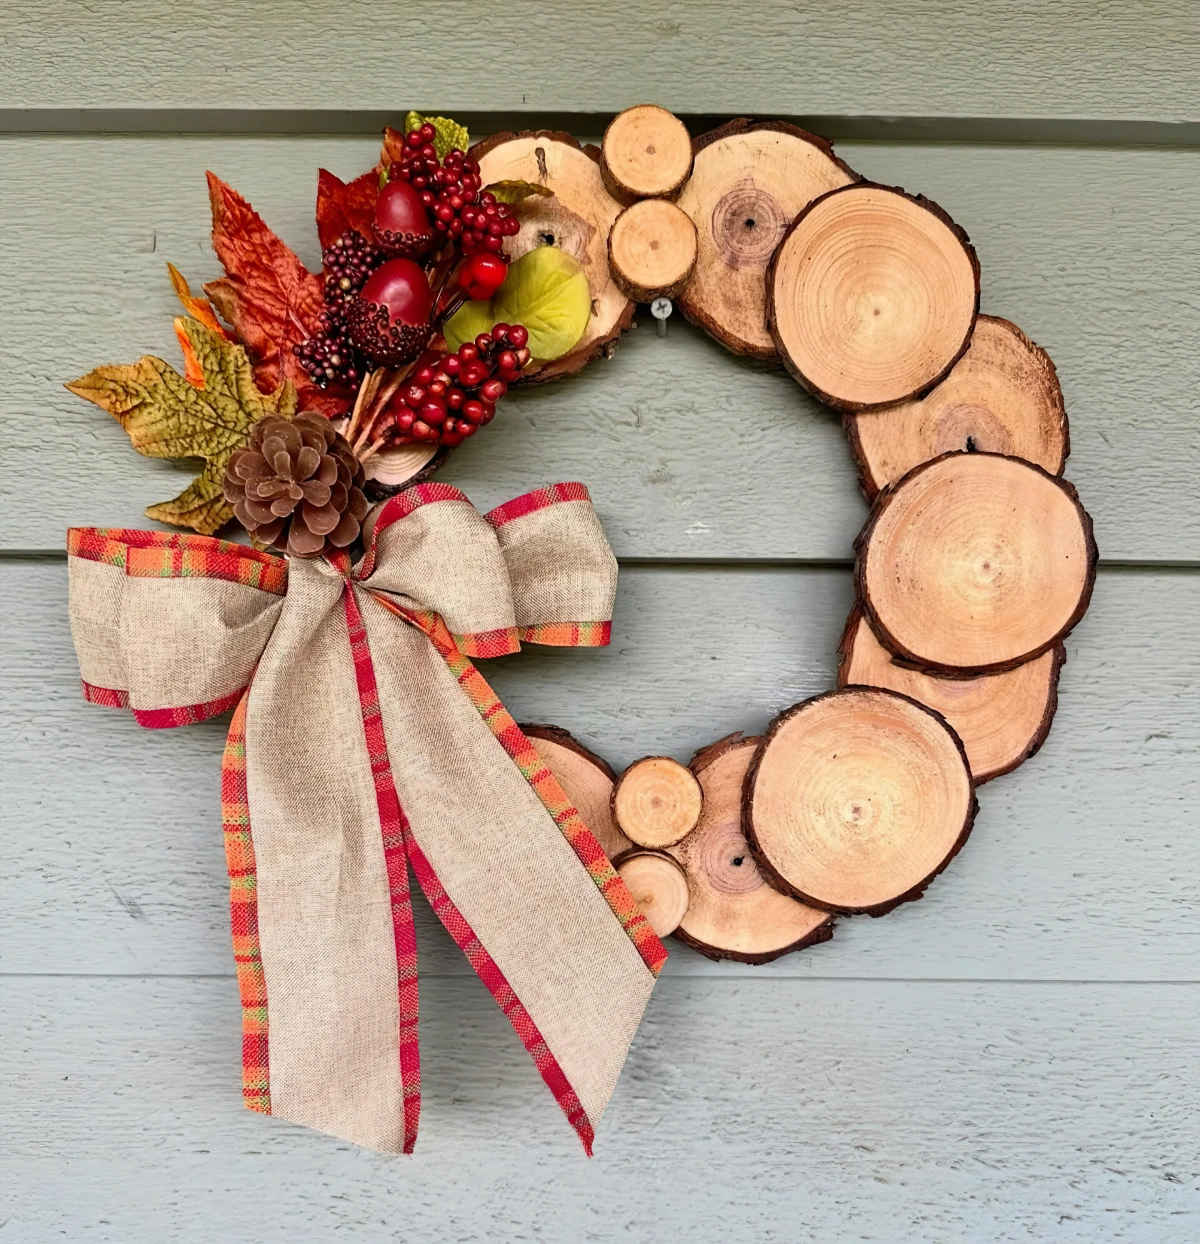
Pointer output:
x,y
268,296
345,205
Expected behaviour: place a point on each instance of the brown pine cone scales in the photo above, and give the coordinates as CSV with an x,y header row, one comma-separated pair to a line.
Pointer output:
x,y
297,486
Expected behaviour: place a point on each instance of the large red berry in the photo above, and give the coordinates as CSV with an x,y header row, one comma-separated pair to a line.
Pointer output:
x,y
389,320
401,222
482,274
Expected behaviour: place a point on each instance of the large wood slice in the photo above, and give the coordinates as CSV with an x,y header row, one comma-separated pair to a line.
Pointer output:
x,y
646,154
733,913
1002,719
749,180
975,563
871,296
1002,396
857,799
576,219
658,886
587,780
657,802
652,250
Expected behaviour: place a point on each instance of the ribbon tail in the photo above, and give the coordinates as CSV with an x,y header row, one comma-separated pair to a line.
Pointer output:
x,y
395,832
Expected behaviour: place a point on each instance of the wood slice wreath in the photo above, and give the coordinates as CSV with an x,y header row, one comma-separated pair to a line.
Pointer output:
x,y
452,272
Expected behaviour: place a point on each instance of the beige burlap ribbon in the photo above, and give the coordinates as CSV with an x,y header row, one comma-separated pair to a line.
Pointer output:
x,y
365,742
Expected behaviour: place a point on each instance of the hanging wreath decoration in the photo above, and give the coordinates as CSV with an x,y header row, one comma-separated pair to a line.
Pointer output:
x,y
321,404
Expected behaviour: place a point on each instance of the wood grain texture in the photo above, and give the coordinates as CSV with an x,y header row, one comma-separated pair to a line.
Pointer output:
x,y
1095,253
1081,864
1055,1118
1125,60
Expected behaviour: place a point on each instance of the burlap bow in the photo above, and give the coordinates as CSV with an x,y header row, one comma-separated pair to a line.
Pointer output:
x,y
364,741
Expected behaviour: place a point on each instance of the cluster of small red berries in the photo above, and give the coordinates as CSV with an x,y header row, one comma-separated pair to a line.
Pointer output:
x,y
450,191
329,356
448,396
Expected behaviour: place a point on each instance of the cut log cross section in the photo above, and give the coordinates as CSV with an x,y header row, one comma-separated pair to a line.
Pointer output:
x,y
658,886
975,563
1002,719
749,179
646,154
586,780
857,799
871,296
1002,396
652,250
733,912
657,802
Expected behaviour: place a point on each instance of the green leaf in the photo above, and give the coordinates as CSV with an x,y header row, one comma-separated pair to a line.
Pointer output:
x,y
448,134
166,416
515,191
547,291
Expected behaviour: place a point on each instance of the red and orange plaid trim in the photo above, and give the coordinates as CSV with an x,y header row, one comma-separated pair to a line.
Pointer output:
x,y
488,971
539,499
567,634
243,913
175,555
544,783
395,832
107,697
490,643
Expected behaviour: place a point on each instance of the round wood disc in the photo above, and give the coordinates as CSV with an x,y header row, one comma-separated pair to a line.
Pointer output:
x,y
872,296
857,799
733,913
1002,396
587,780
658,886
749,180
652,250
646,154
1002,719
975,563
657,802
577,218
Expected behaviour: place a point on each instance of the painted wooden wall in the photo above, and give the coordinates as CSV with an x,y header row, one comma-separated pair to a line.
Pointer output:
x,y
1014,1057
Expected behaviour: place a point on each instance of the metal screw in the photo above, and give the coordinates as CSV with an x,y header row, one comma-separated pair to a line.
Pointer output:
x,y
661,308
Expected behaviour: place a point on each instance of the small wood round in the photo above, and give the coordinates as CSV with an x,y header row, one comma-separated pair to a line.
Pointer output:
x,y
857,799
652,250
587,780
733,913
576,218
658,886
749,180
391,470
1002,396
872,296
646,154
657,802
975,563
1002,719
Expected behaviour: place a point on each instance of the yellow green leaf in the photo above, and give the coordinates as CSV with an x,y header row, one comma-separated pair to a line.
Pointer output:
x,y
547,291
166,416
447,134
515,191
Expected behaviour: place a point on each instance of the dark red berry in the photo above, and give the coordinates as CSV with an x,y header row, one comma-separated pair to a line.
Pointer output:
x,y
518,335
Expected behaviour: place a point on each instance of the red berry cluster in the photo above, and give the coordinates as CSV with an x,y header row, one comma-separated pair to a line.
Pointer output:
x,y
329,356
448,396
450,191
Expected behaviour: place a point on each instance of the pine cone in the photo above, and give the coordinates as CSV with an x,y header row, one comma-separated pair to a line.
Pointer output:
x,y
297,486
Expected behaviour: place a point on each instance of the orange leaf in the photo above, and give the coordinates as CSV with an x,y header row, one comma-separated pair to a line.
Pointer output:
x,y
393,146
193,373
272,301
342,206
198,308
